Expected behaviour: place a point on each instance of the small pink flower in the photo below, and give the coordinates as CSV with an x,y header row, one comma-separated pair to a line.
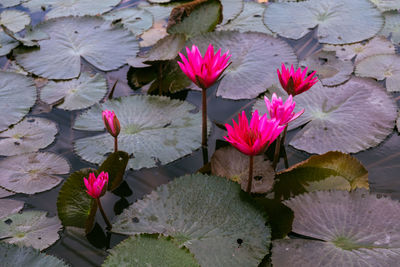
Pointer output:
x,y
295,83
280,111
111,122
253,139
204,71
95,185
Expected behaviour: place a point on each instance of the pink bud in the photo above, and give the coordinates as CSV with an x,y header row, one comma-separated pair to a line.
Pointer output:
x,y
111,122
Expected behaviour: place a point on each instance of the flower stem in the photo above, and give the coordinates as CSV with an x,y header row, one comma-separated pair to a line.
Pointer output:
x,y
277,151
284,149
109,226
204,124
115,144
250,180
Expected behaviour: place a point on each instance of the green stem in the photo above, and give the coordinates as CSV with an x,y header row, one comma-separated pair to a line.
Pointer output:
x,y
204,124
115,144
109,226
250,180
277,151
284,149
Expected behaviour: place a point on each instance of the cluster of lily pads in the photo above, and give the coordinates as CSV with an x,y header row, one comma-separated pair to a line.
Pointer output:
x,y
318,212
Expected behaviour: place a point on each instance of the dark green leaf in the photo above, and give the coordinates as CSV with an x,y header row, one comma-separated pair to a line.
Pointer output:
x,y
115,165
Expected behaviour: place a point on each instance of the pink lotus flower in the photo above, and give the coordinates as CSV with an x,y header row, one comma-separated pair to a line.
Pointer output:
x,y
111,122
280,111
204,71
254,139
95,186
296,83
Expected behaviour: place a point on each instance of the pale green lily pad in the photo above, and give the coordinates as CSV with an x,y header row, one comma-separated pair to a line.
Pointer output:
x,y
154,130
12,255
231,9
381,67
166,48
159,12
32,173
206,214
392,26
330,70
30,37
354,229
9,3
147,250
249,20
386,5
6,43
136,20
91,38
14,20
74,94
333,19
30,228
253,67
230,163
29,135
10,206
18,95
5,193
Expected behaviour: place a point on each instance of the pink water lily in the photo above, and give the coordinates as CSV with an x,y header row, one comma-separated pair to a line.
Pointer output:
x,y
280,111
295,83
111,122
95,186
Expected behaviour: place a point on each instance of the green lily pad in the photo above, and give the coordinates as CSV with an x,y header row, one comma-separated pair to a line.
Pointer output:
x,y
392,26
209,215
10,206
231,9
381,67
253,67
332,170
91,38
5,193
32,173
136,20
115,166
147,250
74,94
330,70
9,3
12,255
386,5
6,43
230,163
166,48
332,18
30,228
154,130
353,229
29,135
14,20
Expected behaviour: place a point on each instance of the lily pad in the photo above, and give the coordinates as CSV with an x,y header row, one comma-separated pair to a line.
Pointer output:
x,y
234,165
253,67
166,48
386,5
207,214
9,3
5,193
91,38
147,250
29,135
6,43
74,94
32,173
10,206
30,228
381,67
353,229
330,70
231,9
392,26
154,130
115,166
14,20
136,20
332,18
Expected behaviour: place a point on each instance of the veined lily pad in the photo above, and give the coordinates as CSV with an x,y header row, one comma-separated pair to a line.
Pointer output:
x,y
29,135
231,9
332,18
10,206
9,3
5,193
30,228
206,214
381,67
79,93
253,67
91,38
14,20
166,48
386,5
6,43
136,20
354,229
147,250
392,26
32,173
154,130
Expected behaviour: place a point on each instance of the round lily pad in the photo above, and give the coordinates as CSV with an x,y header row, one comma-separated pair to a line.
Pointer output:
x,y
231,9
147,250
14,20
253,67
91,38
332,18
10,206
9,3
32,173
386,5
5,193
79,93
154,130
136,20
6,43
381,67
30,228
29,135
209,215
392,26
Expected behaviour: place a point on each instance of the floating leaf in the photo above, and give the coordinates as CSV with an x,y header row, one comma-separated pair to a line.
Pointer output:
x,y
234,165
154,130
207,214
147,250
32,173
253,67
14,20
386,5
5,193
381,67
136,20
6,43
332,18
91,38
30,228
231,9
392,26
29,135
115,165
166,48
10,206
354,229
9,3
78,93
